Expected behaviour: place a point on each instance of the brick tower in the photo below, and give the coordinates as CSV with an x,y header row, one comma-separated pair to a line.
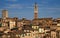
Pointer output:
x,y
35,11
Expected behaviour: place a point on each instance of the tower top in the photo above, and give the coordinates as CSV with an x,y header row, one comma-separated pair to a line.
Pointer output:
x,y
4,10
35,5
35,2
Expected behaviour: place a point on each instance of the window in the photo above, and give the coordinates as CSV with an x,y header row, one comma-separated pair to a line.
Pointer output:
x,y
27,30
41,30
28,34
24,30
36,27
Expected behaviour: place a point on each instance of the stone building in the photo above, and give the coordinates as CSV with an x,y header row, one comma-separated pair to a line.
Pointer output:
x,y
4,14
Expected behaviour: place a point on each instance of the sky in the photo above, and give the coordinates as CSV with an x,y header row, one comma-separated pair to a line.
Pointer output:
x,y
25,8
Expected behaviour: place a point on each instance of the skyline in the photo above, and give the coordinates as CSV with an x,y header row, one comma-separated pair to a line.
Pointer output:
x,y
25,8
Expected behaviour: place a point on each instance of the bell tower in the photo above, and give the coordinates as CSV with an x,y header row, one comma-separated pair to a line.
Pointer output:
x,y
35,11
4,14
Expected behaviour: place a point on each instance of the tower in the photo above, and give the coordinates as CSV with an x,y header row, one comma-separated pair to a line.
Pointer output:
x,y
4,14
35,11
